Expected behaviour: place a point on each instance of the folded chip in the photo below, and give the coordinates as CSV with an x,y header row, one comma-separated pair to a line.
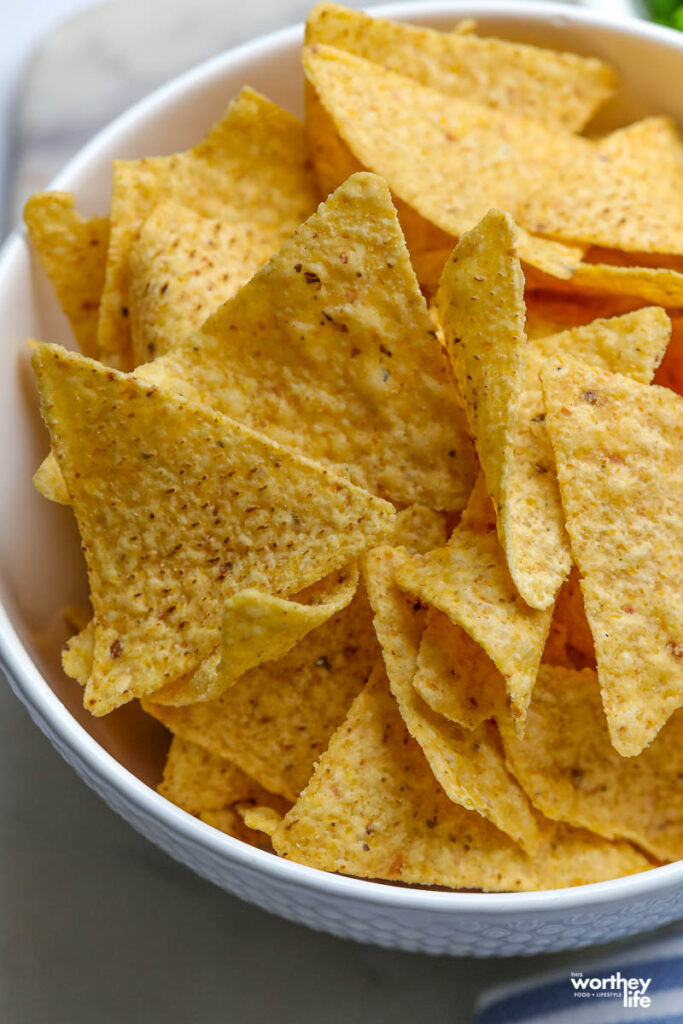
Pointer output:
x,y
183,267
73,253
330,349
537,546
277,719
448,159
480,302
180,508
617,446
572,772
252,168
399,825
626,192
469,581
469,764
558,89
257,627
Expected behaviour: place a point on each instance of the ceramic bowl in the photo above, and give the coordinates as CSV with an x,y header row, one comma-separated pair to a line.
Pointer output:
x,y
41,567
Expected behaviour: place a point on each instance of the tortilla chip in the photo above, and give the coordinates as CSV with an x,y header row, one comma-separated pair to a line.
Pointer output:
x,y
572,773
468,764
258,627
617,446
455,677
557,89
180,508
537,546
49,482
330,349
73,254
660,285
252,168
278,718
419,529
670,371
481,308
468,580
260,819
183,267
447,159
625,192
373,809
77,654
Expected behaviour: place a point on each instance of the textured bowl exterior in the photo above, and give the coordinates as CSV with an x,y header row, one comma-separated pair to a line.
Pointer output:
x,y
410,919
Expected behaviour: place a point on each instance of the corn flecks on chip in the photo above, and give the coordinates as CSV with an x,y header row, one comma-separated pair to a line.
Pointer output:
x,y
625,193
183,267
537,546
469,581
455,677
330,349
257,627
572,773
557,89
481,308
278,718
253,167
447,159
180,508
468,764
73,253
398,824
618,446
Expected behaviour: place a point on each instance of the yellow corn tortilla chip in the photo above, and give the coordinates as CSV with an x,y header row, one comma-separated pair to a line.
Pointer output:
x,y
617,446
183,267
257,627
77,654
481,307
455,677
179,508
661,285
469,581
49,482
670,371
73,253
572,772
419,529
330,349
469,765
557,89
625,192
448,159
277,719
374,809
537,546
260,819
253,167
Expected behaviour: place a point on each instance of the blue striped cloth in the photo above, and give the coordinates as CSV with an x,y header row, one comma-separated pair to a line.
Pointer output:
x,y
644,983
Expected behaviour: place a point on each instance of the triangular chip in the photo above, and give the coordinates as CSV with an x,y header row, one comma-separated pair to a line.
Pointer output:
x,y
448,159
179,508
330,349
618,447
468,764
183,267
572,772
557,89
469,581
537,546
277,719
455,677
257,627
374,809
481,308
253,167
73,253
626,192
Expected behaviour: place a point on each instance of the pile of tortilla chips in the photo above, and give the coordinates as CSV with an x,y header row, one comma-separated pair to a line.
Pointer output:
x,y
381,509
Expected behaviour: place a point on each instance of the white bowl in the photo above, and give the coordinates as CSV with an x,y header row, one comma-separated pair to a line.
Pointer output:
x,y
41,567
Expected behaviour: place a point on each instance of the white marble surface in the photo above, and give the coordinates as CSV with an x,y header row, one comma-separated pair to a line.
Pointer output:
x,y
96,925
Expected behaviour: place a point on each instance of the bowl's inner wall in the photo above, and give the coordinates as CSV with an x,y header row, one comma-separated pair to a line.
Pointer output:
x,y
41,566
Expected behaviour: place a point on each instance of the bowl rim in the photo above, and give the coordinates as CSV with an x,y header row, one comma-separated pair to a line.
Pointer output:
x,y
65,732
